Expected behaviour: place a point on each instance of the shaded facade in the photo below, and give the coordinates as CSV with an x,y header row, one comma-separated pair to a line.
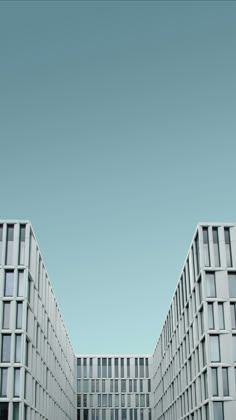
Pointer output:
x,y
195,357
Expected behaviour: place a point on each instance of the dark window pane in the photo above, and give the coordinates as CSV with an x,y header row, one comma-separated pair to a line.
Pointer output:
x,y
3,410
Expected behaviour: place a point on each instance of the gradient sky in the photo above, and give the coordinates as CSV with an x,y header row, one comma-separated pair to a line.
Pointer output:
x,y
117,135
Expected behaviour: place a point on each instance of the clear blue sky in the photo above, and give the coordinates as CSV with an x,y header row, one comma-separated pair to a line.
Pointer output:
x,y
117,135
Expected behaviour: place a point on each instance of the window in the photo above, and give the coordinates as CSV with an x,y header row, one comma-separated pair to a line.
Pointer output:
x,y
104,367
233,315
85,367
86,385
20,285
216,246
104,400
16,382
214,348
123,385
6,348
3,410
141,385
122,372
142,400
90,367
225,378
221,316
111,385
109,368
116,368
27,344
18,348
232,285
130,385
19,309
206,246
22,245
234,347
10,241
205,385
197,252
15,411
211,285
218,410
147,367
136,367
141,367
3,384
228,247
206,409
201,320
99,368
211,324
79,368
214,377
128,367
6,315
9,282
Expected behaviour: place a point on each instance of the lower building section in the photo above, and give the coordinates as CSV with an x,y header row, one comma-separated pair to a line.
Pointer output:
x,y
114,414
190,376
114,387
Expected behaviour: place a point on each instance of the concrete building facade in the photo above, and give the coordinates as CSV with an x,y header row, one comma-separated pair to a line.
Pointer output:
x,y
190,376
37,363
115,387
194,362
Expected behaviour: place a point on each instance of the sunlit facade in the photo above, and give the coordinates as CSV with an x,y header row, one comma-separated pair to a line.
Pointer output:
x,y
37,364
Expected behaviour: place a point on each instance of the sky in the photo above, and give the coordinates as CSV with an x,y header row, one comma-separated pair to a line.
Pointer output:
x,y
117,136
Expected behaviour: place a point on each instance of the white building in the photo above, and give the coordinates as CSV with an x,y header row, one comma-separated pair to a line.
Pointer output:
x,y
115,387
37,364
195,356
190,376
